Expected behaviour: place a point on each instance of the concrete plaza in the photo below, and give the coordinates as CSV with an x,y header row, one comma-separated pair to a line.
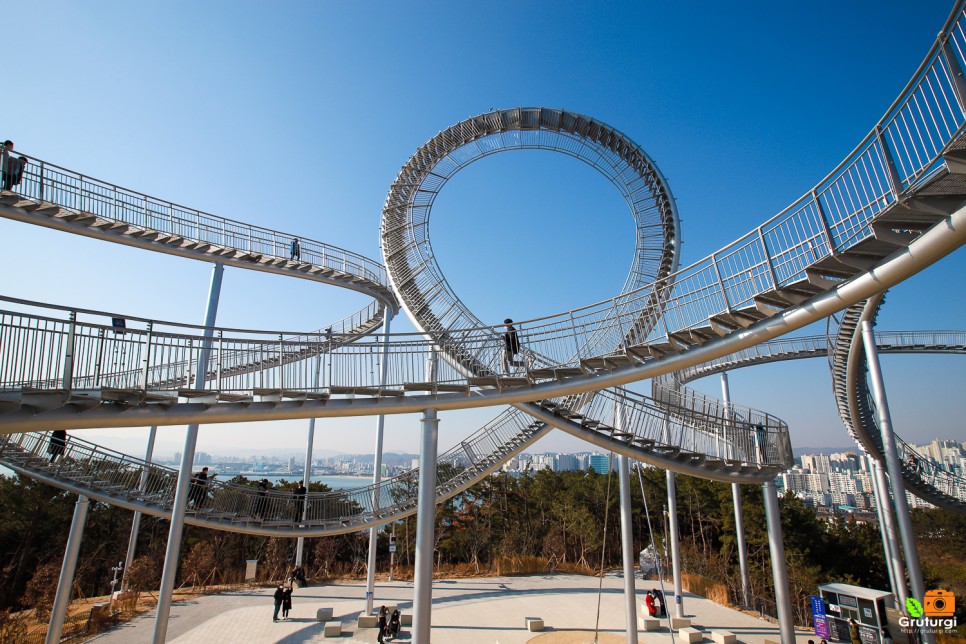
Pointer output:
x,y
479,609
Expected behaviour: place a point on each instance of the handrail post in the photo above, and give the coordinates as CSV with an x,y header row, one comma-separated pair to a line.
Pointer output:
x,y
959,83
825,227
717,272
771,266
99,358
281,370
146,362
895,184
221,337
68,375
41,181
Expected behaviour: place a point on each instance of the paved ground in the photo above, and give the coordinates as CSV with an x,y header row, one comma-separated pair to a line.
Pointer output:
x,y
465,611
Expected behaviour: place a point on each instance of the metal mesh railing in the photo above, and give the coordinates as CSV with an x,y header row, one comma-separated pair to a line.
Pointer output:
x,y
46,182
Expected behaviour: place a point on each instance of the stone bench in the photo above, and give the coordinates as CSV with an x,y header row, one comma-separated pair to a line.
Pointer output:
x,y
678,623
368,621
650,624
332,629
724,637
323,614
688,634
405,619
534,624
771,641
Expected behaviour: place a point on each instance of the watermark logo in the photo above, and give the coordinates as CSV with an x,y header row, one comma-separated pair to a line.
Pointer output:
x,y
939,603
913,607
936,613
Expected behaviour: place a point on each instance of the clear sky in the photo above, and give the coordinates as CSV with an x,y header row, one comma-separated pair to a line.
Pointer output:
x,y
298,115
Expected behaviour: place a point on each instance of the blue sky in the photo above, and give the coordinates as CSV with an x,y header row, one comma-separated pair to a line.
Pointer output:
x,y
298,115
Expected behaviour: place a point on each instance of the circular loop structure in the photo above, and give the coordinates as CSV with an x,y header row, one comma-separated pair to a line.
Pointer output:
x,y
417,278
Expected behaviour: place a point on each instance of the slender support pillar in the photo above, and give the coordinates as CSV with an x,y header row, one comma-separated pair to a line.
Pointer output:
x,y
742,547
894,468
736,499
307,479
307,476
425,524
66,580
377,472
627,548
132,542
783,596
887,527
172,552
672,510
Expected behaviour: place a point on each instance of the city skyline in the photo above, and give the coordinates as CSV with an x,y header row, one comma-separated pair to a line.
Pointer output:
x,y
280,120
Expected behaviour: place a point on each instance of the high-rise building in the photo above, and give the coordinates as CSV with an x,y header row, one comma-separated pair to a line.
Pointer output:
x,y
600,463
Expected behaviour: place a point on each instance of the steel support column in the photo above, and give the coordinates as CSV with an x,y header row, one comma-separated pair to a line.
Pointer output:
x,y
627,548
66,580
894,468
887,527
172,552
307,475
783,597
425,524
672,509
132,542
377,471
736,500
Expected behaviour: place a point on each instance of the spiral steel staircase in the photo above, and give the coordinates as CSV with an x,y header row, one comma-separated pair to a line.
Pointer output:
x,y
857,409
892,207
846,355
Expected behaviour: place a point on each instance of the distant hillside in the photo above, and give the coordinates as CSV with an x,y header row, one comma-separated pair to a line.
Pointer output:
x,y
390,459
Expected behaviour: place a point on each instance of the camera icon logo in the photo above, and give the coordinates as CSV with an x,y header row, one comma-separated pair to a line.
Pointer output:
x,y
939,603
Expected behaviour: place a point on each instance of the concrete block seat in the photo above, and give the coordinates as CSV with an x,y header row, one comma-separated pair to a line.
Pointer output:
x,y
323,614
405,619
650,624
332,629
533,624
368,621
724,637
690,635
678,623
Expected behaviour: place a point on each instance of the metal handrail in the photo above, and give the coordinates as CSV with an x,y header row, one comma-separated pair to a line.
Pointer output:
x,y
50,183
112,472
773,255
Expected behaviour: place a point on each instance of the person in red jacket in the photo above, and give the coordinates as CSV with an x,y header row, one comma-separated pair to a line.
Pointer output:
x,y
649,602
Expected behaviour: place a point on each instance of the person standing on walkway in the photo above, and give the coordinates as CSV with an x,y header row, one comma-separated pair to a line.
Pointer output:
x,y
761,440
511,345
295,250
199,487
299,495
13,167
658,603
261,501
286,601
58,441
394,624
279,596
382,623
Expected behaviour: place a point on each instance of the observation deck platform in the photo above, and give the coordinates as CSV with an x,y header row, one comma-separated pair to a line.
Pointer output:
x,y
469,610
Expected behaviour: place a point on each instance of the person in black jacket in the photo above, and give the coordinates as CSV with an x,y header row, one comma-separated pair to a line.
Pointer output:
x,y
279,597
58,441
286,601
511,345
299,495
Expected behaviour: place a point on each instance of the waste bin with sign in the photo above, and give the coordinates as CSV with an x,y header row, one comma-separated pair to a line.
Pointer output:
x,y
866,606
